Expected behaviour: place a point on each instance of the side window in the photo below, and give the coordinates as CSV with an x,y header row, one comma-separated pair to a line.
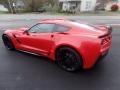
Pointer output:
x,y
60,28
42,28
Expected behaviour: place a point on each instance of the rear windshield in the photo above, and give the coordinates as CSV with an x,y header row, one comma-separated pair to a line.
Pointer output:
x,y
85,26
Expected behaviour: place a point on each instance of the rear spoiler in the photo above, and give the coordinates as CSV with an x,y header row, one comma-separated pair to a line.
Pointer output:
x,y
110,29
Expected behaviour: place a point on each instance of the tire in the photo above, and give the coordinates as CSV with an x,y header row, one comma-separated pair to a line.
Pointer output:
x,y
7,42
68,59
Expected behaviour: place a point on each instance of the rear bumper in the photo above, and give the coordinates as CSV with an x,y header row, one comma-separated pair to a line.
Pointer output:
x,y
104,51
89,63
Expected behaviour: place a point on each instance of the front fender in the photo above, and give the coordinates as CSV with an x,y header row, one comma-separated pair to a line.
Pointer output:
x,y
10,34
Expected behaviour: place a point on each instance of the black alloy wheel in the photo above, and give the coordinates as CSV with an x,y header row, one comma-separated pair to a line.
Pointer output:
x,y
68,59
7,42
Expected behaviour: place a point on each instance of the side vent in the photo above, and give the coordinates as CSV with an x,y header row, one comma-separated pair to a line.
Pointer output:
x,y
14,36
16,39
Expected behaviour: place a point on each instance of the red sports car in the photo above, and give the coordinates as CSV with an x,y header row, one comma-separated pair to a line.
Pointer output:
x,y
73,45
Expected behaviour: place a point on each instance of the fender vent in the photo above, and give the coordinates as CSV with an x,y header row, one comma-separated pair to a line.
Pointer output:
x,y
14,36
16,39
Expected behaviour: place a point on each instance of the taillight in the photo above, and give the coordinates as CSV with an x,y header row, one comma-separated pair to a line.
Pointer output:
x,y
105,40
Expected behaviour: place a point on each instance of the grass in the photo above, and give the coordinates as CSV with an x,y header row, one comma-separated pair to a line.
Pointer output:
x,y
3,12
100,13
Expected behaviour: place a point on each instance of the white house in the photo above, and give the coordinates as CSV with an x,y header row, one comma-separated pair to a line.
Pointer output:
x,y
88,5
78,5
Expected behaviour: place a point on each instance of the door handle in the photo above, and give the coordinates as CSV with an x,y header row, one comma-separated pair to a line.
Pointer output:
x,y
34,35
52,36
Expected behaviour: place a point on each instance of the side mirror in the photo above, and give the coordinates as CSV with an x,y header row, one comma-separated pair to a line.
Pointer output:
x,y
26,32
109,27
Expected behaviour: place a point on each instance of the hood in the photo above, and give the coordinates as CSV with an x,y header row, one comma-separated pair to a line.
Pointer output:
x,y
21,29
17,30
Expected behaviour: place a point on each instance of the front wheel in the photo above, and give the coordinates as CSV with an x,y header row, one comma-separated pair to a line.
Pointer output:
x,y
68,59
7,42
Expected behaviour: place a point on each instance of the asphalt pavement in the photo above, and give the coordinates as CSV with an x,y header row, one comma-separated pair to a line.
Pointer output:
x,y
21,71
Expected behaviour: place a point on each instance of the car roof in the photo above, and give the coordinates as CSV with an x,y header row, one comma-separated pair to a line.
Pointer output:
x,y
65,22
74,24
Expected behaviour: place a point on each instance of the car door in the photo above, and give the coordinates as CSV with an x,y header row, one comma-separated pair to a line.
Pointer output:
x,y
38,39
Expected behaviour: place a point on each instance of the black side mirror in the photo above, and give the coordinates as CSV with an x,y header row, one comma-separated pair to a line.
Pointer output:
x,y
26,32
109,28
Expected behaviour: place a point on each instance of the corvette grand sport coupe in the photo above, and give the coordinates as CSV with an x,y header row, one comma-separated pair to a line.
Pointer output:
x,y
71,44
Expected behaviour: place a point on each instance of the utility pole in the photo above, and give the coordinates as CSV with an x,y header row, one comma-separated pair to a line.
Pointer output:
x,y
9,2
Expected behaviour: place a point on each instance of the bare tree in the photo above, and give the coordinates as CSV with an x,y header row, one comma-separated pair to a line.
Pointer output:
x,y
33,5
8,4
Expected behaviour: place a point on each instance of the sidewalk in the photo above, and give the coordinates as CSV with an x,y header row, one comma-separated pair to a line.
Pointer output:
x,y
46,16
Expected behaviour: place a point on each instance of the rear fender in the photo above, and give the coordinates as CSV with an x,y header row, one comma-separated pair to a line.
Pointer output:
x,y
90,52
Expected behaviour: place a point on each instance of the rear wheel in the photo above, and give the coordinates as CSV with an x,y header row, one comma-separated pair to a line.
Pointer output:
x,y
7,42
68,59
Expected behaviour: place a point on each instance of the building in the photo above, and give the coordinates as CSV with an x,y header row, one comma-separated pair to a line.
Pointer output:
x,y
77,5
86,5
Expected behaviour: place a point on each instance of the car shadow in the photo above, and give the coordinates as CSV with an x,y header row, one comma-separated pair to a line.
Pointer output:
x,y
98,67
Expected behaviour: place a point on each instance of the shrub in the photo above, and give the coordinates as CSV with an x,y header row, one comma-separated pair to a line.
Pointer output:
x,y
114,7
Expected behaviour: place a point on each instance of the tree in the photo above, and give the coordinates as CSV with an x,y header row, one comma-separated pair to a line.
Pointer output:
x,y
52,2
8,4
5,3
34,5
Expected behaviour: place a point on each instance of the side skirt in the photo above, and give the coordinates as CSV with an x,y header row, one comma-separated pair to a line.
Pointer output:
x,y
31,53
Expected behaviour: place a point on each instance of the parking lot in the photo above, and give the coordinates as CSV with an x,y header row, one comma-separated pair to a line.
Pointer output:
x,y
21,71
